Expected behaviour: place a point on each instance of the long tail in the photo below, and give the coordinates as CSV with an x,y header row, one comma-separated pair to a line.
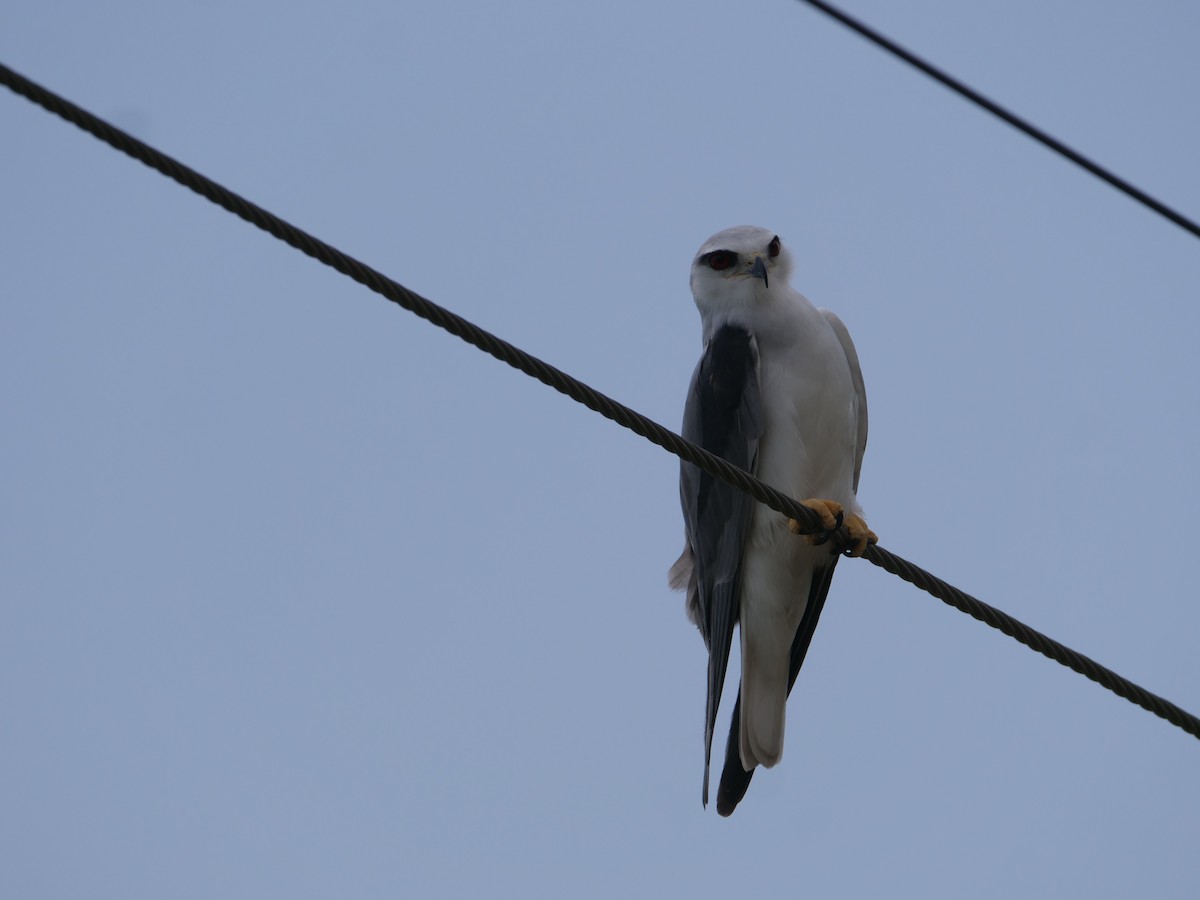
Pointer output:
x,y
735,780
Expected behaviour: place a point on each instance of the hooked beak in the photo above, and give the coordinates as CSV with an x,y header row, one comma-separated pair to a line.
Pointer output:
x,y
759,270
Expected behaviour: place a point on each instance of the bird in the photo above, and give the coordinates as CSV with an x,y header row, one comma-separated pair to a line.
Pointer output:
x,y
778,392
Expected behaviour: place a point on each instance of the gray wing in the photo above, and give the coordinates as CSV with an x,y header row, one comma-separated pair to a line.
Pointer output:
x,y
723,415
860,389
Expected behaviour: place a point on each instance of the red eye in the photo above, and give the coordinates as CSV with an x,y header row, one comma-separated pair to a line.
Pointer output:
x,y
720,260
773,248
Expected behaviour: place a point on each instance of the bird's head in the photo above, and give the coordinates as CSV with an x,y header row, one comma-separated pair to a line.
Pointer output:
x,y
739,267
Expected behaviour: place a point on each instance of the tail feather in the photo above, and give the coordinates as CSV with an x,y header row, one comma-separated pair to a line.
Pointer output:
x,y
735,778
764,690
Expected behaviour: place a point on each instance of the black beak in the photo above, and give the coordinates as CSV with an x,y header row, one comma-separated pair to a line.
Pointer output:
x,y
759,270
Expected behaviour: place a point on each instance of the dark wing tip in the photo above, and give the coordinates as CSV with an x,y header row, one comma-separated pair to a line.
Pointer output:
x,y
732,790
734,779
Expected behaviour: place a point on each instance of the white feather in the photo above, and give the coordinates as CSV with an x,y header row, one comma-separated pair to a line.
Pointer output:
x,y
810,447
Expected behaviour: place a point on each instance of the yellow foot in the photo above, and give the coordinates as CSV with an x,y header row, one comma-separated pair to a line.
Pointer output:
x,y
831,520
847,534
857,536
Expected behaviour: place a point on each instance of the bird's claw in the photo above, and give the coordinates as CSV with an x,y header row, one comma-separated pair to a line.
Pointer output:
x,y
849,533
830,514
856,536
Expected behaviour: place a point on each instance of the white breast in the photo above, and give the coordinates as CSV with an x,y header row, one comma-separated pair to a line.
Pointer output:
x,y
810,408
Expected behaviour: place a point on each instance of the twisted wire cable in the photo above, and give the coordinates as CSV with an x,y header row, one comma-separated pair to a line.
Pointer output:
x,y
1027,128
582,393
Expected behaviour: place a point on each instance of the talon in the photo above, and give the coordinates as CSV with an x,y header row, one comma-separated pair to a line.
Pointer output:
x,y
857,536
831,515
829,512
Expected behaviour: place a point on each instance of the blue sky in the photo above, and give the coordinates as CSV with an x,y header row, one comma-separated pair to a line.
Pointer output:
x,y
302,597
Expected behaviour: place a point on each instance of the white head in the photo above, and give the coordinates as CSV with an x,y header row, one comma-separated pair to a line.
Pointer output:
x,y
739,268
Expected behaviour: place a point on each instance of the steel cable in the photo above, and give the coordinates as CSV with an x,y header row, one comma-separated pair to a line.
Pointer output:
x,y
1005,115
580,392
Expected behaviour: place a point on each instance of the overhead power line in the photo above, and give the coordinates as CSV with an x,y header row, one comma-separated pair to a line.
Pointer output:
x,y
584,394
1011,118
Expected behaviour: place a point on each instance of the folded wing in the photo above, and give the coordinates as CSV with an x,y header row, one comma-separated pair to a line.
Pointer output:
x,y
723,414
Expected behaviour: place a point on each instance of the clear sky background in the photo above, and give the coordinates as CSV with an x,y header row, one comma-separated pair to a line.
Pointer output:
x,y
301,597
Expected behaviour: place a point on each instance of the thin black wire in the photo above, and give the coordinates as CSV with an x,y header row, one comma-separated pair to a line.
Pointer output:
x,y
580,392
1000,112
